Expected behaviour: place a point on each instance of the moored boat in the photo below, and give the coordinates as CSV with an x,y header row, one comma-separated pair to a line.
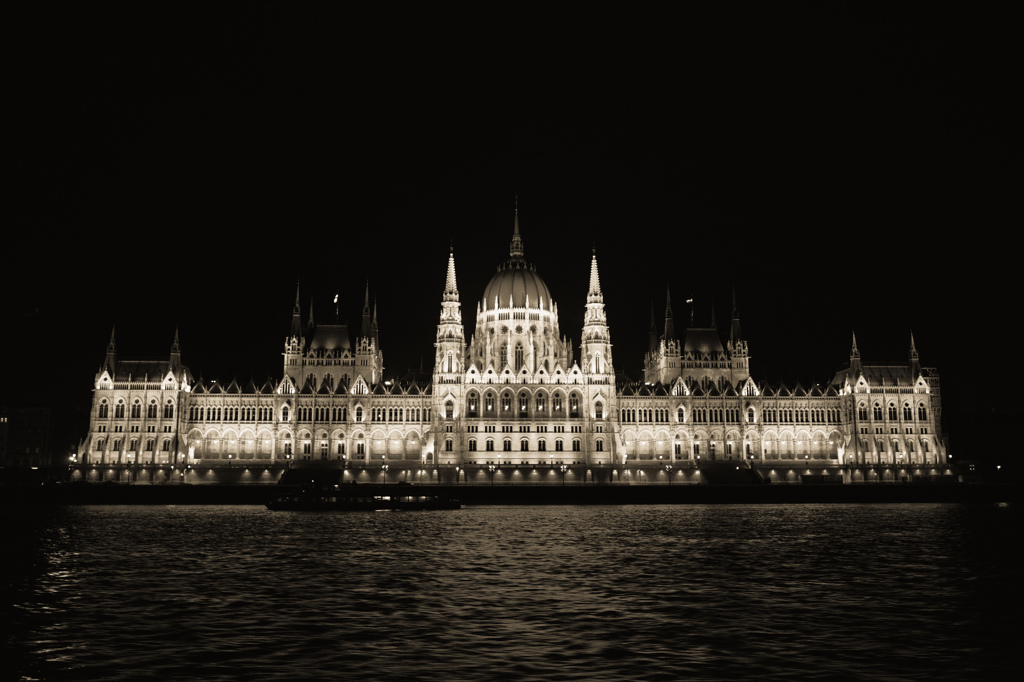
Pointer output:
x,y
352,497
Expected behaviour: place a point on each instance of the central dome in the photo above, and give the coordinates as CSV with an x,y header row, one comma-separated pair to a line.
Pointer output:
x,y
516,282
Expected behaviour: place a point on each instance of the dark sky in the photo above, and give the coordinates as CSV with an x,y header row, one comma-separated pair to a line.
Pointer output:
x,y
844,171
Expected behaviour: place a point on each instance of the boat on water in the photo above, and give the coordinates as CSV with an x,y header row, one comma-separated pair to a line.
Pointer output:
x,y
352,497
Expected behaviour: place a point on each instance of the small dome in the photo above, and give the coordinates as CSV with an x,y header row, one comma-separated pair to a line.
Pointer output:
x,y
517,280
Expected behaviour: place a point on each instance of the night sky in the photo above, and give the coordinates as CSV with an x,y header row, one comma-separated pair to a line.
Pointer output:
x,y
843,171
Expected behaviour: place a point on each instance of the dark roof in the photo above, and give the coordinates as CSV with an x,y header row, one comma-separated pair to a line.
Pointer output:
x,y
702,340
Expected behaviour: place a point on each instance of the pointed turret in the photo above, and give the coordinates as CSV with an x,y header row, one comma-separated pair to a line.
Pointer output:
x,y
367,316
734,332
451,289
652,334
596,346
670,330
915,361
296,330
594,294
110,362
175,363
855,368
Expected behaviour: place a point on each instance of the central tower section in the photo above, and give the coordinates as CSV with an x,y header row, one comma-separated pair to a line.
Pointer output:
x,y
516,321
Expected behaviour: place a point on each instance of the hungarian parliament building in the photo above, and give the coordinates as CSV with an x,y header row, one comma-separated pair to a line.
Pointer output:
x,y
512,403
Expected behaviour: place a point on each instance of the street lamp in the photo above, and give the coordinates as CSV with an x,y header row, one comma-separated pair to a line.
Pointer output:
x,y
668,470
564,468
490,468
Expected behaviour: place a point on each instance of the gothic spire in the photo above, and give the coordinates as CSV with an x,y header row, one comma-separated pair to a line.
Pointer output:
x,y
670,329
594,293
175,352
854,357
915,361
735,333
451,290
296,331
110,362
367,319
653,345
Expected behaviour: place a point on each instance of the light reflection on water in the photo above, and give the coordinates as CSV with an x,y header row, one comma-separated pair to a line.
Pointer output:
x,y
539,593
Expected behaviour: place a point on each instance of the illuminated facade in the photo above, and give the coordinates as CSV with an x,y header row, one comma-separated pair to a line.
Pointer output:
x,y
512,404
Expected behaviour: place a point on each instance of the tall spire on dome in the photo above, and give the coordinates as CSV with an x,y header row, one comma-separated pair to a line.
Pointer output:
x,y
515,250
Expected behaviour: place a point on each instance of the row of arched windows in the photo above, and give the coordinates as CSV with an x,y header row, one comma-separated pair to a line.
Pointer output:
x,y
521,405
878,414
135,412
524,445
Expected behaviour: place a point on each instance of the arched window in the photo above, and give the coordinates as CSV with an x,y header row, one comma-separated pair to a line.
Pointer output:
x,y
472,444
359,413
576,445
169,410
489,403
908,414
490,445
284,413
524,445
473,404
119,410
599,445
448,445
558,445
104,410
877,412
598,410
922,415
524,404
449,409
519,357
507,445
506,402
136,410
574,405
892,412
680,415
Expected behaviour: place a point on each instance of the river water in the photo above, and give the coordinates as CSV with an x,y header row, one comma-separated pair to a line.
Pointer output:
x,y
896,592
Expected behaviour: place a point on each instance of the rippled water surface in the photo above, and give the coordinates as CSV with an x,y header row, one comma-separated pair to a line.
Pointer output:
x,y
897,592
